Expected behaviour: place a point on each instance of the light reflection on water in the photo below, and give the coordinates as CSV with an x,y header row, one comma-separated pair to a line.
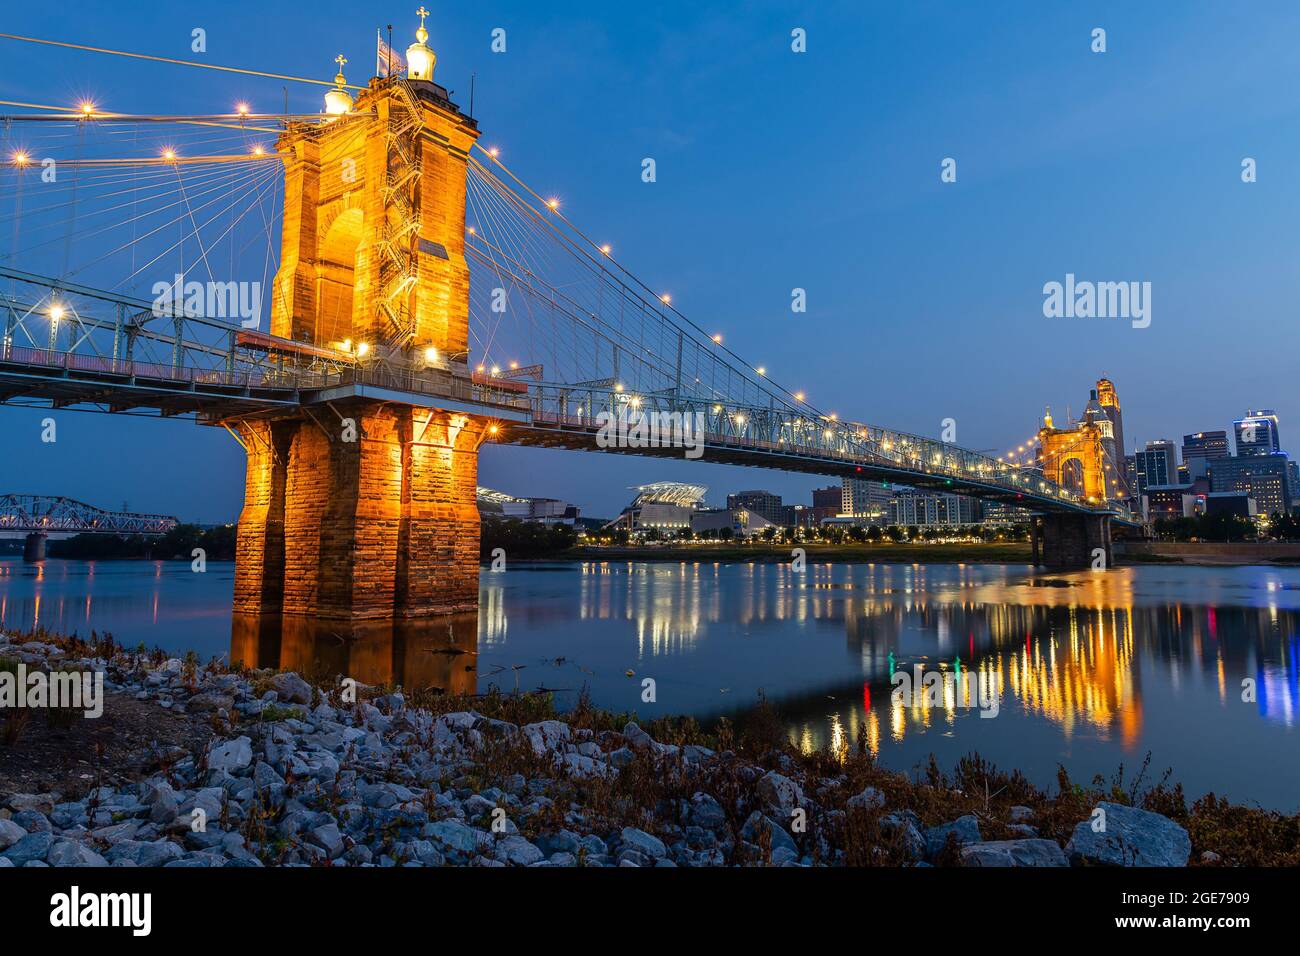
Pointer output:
x,y
1197,665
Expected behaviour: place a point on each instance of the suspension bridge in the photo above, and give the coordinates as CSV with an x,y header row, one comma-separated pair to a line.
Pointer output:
x,y
401,264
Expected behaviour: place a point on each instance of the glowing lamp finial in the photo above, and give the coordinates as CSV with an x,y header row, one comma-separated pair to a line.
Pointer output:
x,y
420,60
338,101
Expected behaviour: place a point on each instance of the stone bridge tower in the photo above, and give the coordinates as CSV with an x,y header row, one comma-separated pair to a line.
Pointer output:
x,y
1074,457
361,504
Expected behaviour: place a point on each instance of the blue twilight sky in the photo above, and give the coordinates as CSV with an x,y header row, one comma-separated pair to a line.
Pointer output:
x,y
818,170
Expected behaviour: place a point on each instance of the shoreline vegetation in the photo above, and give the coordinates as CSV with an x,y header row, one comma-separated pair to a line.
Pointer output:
x,y
178,544
287,768
1001,552
518,540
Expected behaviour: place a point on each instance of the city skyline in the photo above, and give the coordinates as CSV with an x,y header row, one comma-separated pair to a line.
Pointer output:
x,y
868,298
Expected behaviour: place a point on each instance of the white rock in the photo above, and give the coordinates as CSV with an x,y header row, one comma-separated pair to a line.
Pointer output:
x,y
547,735
780,793
10,833
292,688
868,799
230,756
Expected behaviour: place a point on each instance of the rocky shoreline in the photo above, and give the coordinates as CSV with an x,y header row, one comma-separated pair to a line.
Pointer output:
x,y
296,774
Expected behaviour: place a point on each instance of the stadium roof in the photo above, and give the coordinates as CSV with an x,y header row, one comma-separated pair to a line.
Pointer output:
x,y
670,492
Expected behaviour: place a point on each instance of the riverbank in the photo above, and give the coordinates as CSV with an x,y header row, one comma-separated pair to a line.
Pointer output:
x,y
257,768
1126,553
994,553
1208,553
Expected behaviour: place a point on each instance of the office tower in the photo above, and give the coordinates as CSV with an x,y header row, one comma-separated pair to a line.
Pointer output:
x,y
864,499
828,497
1107,400
827,502
1157,464
1256,434
1205,445
1264,477
763,503
921,508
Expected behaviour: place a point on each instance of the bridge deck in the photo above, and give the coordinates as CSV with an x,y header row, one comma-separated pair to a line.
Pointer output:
x,y
138,361
50,378
583,436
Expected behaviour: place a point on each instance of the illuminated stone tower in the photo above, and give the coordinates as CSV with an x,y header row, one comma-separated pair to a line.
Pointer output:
x,y
1073,457
363,506
374,222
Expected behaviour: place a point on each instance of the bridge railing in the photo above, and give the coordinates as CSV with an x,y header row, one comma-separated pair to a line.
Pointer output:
x,y
437,383
783,431
420,380
134,342
56,324
243,376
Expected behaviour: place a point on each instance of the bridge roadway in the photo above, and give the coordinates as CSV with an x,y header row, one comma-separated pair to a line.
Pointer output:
x,y
62,379
579,436
140,361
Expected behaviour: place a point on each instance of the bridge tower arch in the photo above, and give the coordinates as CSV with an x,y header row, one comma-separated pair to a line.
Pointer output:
x,y
1073,458
1059,448
363,507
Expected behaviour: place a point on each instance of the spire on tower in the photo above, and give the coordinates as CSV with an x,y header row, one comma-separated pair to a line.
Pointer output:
x,y
420,60
338,101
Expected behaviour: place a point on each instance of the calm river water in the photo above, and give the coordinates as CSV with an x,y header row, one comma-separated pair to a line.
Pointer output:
x,y
1198,666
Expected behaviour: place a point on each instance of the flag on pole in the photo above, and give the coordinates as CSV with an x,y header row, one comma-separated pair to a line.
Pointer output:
x,y
388,62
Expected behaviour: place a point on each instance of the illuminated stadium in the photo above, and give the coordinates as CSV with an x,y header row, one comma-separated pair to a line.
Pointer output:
x,y
670,493
661,506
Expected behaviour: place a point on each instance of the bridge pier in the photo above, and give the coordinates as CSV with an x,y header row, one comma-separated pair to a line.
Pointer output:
x,y
377,652
1070,541
369,516
34,548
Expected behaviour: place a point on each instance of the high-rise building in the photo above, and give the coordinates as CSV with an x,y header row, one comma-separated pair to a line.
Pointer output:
x,y
1265,478
763,503
918,508
1157,464
1002,513
864,499
1256,434
828,497
826,503
802,516
1205,445
1107,404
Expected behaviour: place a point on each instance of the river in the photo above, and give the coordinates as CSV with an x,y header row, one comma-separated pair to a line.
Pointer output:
x,y
1091,671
